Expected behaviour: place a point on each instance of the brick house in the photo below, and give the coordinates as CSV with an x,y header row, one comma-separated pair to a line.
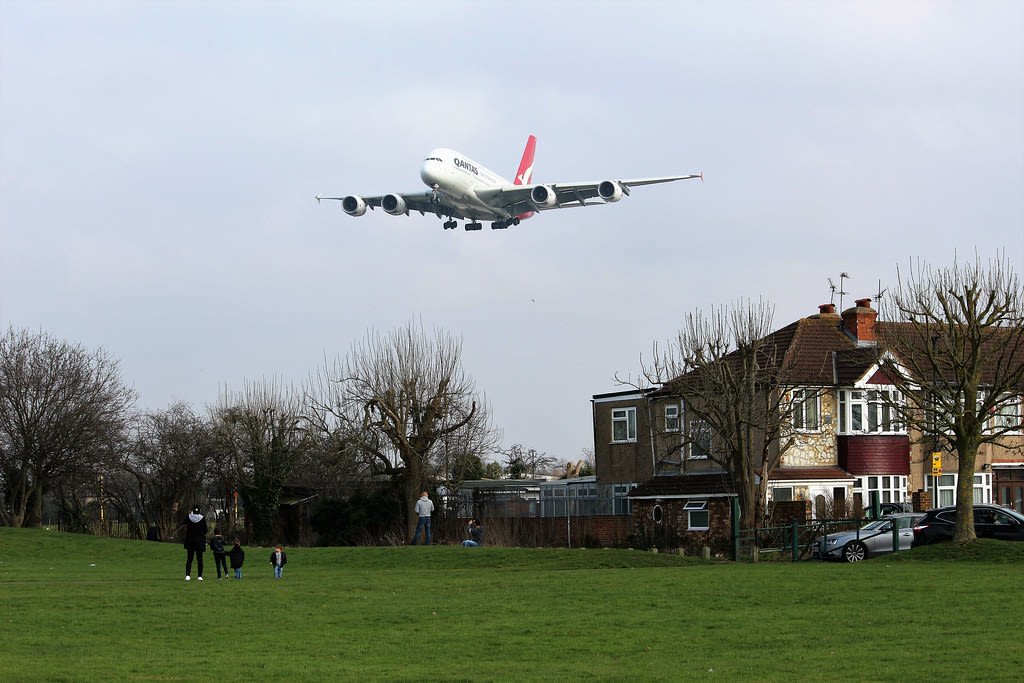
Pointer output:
x,y
848,444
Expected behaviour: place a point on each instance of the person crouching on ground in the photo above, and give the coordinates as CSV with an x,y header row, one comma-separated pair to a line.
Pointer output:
x,y
237,556
278,558
217,548
476,535
195,542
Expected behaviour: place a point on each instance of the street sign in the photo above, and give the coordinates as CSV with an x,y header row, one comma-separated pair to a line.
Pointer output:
x,y
936,464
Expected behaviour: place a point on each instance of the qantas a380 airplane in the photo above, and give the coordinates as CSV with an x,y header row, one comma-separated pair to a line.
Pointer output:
x,y
460,188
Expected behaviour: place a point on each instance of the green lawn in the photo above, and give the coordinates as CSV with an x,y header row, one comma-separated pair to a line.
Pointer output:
x,y
79,608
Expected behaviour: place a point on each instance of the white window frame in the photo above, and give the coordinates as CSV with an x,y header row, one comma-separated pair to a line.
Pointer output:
x,y
891,488
947,488
672,418
691,448
627,417
1007,414
783,488
801,400
874,415
687,420
700,507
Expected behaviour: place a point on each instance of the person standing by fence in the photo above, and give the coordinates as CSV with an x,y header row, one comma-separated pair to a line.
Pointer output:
x,y
424,508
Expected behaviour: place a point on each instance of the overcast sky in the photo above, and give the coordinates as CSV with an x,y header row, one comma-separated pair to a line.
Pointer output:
x,y
158,163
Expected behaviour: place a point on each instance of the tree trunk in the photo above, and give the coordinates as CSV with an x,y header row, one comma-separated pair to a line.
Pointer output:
x,y
413,488
35,518
967,450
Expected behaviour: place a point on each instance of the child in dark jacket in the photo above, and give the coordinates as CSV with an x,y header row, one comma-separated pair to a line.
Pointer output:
x,y
278,558
237,556
217,547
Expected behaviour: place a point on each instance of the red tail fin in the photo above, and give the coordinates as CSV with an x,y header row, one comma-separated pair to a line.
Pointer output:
x,y
525,173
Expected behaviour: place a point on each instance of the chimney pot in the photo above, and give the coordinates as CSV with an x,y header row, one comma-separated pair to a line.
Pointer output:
x,y
826,308
859,322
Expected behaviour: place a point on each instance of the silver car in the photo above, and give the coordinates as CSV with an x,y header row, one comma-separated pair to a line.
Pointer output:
x,y
874,538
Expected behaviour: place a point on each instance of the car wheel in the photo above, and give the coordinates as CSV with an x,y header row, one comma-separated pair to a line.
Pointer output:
x,y
855,551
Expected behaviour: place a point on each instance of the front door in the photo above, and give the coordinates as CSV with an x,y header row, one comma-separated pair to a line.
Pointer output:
x,y
1009,488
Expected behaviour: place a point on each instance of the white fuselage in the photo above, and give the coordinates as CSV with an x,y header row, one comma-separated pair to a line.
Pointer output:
x,y
457,177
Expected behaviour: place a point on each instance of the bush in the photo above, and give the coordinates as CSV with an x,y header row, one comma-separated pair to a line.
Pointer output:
x,y
373,518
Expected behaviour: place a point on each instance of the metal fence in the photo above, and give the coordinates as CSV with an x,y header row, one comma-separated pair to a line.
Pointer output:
x,y
794,541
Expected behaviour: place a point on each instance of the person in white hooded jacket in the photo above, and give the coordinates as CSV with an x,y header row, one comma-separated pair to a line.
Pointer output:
x,y
195,542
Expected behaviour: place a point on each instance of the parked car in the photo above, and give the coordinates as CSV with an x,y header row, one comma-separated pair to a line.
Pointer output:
x,y
990,521
886,509
874,538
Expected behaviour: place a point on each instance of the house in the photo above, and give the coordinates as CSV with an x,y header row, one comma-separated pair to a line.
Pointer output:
x,y
847,445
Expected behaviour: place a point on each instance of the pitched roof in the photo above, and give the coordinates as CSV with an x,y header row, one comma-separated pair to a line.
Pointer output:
x,y
852,364
804,350
713,485
817,350
809,473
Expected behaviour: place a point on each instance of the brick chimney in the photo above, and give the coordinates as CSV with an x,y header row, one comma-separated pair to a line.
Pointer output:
x,y
859,322
826,309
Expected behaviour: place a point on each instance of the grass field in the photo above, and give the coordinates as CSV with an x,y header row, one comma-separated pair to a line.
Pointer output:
x,y
79,608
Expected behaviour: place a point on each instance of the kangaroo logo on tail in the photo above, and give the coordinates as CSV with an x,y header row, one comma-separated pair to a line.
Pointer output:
x,y
525,172
524,175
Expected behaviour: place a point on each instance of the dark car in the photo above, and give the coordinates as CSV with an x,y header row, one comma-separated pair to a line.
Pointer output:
x,y
990,521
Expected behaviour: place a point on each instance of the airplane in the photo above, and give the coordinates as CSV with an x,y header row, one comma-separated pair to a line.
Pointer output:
x,y
461,188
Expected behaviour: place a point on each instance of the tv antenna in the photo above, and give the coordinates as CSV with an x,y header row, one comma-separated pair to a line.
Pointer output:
x,y
841,291
879,294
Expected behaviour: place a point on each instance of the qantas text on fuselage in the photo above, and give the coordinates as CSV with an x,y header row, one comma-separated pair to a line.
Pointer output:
x,y
462,189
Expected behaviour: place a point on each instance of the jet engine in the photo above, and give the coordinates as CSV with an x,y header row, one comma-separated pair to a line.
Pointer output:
x,y
353,205
393,204
609,190
543,196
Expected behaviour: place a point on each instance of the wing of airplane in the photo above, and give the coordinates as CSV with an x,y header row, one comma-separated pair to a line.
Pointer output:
x,y
397,204
517,198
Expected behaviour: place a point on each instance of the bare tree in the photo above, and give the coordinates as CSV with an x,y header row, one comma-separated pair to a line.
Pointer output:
x,y
409,394
458,455
955,338
164,470
61,409
522,462
260,436
734,378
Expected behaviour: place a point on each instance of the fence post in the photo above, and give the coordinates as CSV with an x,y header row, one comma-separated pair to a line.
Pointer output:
x,y
735,529
796,540
895,536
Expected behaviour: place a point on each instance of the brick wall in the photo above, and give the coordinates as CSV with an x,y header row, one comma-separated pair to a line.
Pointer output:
x,y
673,530
787,511
597,531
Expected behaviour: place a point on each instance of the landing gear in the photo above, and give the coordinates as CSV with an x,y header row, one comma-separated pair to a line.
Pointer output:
x,y
474,226
502,225
450,225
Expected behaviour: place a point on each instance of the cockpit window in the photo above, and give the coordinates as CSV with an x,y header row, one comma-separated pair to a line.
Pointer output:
x,y
433,159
